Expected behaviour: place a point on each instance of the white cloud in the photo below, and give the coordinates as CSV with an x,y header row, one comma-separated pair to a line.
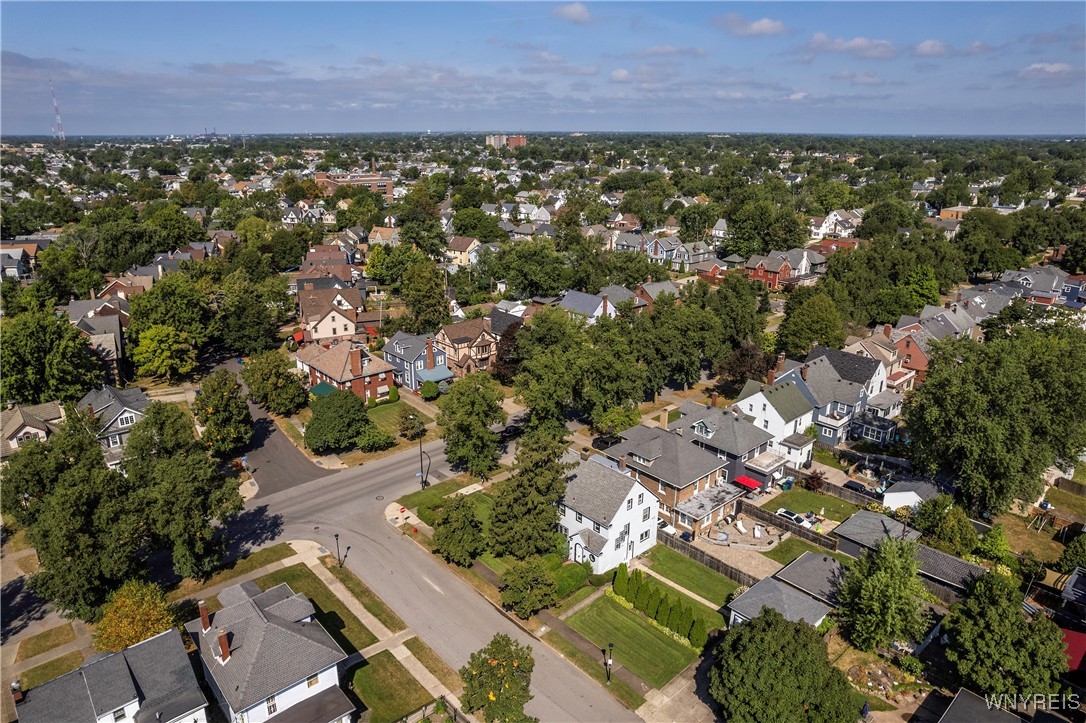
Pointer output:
x,y
799,95
545,57
739,26
573,12
930,49
858,78
858,47
1050,73
729,95
978,48
620,75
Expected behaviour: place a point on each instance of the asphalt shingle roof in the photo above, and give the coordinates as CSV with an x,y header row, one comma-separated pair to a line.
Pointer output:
x,y
816,574
850,367
785,599
785,397
946,568
670,457
597,491
869,528
580,302
728,431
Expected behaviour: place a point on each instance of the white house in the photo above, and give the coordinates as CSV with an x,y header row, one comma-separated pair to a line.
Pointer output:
x,y
607,516
590,306
266,659
783,411
909,494
149,681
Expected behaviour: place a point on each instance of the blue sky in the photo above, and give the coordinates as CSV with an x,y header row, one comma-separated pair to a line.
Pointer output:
x,y
259,67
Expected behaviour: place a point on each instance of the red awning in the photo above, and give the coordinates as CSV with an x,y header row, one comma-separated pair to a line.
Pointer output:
x,y
748,482
299,336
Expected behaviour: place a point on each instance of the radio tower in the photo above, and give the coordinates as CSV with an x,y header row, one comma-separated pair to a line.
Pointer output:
x,y
58,125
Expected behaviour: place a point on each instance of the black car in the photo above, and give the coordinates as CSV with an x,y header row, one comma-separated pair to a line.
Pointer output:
x,y
861,488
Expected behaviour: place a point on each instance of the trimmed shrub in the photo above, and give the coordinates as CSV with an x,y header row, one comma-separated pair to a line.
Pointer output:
x,y
644,592
652,604
621,582
393,395
699,636
568,578
664,611
635,585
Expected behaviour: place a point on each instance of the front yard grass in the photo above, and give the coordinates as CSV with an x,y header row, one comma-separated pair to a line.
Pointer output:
x,y
45,641
19,540
624,693
189,587
793,547
712,617
53,669
804,501
374,605
387,417
575,597
1080,473
648,652
828,458
693,576
389,691
434,492
341,624
433,662
1042,544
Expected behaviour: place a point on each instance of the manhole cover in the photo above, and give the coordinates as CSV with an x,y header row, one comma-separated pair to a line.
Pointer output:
x,y
380,497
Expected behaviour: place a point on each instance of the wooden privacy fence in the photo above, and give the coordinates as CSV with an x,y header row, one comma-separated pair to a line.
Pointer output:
x,y
746,508
733,574
1069,485
837,491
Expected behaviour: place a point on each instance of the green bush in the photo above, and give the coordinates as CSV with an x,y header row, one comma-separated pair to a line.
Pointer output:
x,y
603,579
910,665
568,578
621,580
374,439
698,634
429,391
393,395
427,512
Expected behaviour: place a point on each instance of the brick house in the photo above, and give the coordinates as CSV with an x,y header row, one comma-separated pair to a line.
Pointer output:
x,y
770,272
347,366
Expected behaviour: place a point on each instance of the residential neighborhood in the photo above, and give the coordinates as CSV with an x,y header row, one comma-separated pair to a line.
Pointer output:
x,y
491,422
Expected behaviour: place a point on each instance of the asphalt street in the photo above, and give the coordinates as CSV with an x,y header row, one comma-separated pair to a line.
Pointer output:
x,y
439,607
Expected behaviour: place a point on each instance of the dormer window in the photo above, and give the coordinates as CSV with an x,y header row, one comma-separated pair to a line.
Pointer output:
x,y
127,420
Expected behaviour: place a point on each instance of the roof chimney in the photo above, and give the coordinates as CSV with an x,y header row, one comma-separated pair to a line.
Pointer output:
x,y
887,330
205,617
224,647
781,358
649,281
713,398
605,304
430,353
356,362
803,372
946,305
771,377
621,464
16,692
663,419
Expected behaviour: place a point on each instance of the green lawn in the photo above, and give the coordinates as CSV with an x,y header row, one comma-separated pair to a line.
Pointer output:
x,y
433,662
712,617
45,641
648,652
624,693
1080,473
693,576
387,417
575,597
1064,501
341,624
373,604
189,587
828,458
387,689
793,547
53,669
804,501
433,493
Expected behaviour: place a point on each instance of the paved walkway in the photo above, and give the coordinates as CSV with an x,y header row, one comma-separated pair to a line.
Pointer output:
x,y
584,603
746,559
589,648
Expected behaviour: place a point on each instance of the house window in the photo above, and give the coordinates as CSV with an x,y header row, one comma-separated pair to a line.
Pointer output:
x,y
272,707
561,510
629,504
661,488
114,440
618,544
127,420
765,424
641,498
645,514
750,407
579,517
763,406
418,364
841,408
644,535
595,527
564,529
908,358
119,715
312,681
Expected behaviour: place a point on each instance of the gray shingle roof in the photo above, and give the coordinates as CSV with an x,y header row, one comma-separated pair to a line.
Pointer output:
x,y
869,528
850,367
413,345
660,287
268,652
727,431
580,302
500,321
785,599
597,491
946,568
156,672
670,456
968,707
923,490
826,385
785,397
816,574
108,402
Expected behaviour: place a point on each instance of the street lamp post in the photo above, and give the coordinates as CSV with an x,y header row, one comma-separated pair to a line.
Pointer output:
x,y
345,553
338,558
610,660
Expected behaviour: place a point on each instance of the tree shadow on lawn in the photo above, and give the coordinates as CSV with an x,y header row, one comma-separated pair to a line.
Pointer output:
x,y
249,529
21,607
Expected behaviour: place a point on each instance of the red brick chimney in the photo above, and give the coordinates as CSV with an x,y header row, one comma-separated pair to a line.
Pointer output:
x,y
803,372
430,353
887,330
771,377
224,646
649,281
205,617
355,356
604,305
713,398
622,464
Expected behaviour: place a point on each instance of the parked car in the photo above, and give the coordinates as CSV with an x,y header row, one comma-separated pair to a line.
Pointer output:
x,y
794,517
664,527
860,488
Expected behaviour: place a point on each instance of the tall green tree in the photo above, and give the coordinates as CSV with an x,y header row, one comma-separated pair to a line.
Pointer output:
x,y
135,612
458,533
472,406
272,382
222,411
882,596
996,649
45,359
525,518
424,293
164,352
173,301
497,680
247,323
528,587
804,686
814,321
338,420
